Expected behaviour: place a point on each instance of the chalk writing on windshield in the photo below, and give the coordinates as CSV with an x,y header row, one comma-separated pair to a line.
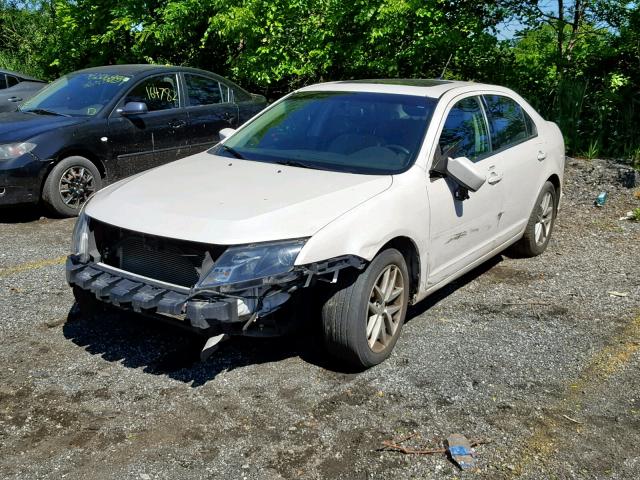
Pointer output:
x,y
100,78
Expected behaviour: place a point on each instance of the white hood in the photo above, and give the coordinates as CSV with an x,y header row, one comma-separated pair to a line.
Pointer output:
x,y
212,199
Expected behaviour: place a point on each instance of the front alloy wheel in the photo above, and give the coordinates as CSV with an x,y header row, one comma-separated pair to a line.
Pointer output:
x,y
386,304
76,185
70,184
363,318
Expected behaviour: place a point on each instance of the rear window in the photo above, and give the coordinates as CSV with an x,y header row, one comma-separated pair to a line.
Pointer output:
x,y
240,96
202,90
508,122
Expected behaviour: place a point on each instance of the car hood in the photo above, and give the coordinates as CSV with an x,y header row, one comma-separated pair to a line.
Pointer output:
x,y
211,199
20,126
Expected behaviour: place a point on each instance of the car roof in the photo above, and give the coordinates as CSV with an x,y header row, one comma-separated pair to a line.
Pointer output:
x,y
433,88
20,75
139,68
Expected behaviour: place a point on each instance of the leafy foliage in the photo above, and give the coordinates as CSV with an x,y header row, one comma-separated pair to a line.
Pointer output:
x,y
577,62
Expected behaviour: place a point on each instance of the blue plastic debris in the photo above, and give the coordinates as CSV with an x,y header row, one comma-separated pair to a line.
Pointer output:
x,y
601,199
460,451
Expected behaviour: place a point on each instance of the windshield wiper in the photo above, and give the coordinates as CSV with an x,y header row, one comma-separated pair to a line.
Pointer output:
x,y
233,152
44,111
296,163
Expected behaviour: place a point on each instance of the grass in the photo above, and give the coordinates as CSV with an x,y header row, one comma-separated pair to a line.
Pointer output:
x,y
593,151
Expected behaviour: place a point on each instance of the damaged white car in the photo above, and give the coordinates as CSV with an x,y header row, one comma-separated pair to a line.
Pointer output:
x,y
379,191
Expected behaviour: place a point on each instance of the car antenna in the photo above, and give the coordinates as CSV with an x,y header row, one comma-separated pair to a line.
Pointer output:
x,y
444,70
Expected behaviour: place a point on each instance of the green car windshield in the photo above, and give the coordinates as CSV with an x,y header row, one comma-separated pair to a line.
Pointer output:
x,y
358,132
77,95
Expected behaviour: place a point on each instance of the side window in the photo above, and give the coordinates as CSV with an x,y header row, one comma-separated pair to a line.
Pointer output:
x,y
202,90
3,81
227,93
11,81
509,123
159,93
465,131
240,96
532,131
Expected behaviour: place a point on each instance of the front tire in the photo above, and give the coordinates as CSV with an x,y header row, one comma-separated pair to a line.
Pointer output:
x,y
70,184
540,225
362,320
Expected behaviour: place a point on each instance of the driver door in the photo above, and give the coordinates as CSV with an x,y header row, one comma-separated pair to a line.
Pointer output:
x,y
150,139
463,231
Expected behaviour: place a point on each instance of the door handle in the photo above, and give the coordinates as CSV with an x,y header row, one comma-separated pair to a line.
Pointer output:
x,y
541,155
177,124
15,99
494,178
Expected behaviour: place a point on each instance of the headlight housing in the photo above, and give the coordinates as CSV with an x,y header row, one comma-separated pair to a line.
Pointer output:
x,y
9,151
253,265
80,239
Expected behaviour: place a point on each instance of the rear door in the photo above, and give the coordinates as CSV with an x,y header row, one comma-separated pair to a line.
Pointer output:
x,y
210,108
463,231
159,136
519,152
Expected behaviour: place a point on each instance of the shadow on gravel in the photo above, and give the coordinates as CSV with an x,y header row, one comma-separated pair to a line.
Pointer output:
x,y
158,348
22,214
444,292
136,341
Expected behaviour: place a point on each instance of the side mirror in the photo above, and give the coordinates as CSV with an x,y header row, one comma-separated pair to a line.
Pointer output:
x,y
465,172
134,108
226,133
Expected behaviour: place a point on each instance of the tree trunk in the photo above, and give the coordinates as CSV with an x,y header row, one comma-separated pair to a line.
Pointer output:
x,y
560,60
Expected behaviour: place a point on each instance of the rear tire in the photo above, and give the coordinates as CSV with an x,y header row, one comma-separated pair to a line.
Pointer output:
x,y
69,185
363,318
540,225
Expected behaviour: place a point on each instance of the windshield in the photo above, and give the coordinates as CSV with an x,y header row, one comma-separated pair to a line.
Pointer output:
x,y
81,95
374,133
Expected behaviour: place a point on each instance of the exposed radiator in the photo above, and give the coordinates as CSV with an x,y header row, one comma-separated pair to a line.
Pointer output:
x,y
173,261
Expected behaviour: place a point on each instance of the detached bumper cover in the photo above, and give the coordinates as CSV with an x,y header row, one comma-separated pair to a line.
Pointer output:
x,y
124,290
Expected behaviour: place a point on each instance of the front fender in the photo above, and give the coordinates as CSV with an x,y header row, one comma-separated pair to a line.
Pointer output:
x,y
400,211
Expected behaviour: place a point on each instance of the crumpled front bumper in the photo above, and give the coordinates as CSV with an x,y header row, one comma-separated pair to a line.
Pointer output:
x,y
124,290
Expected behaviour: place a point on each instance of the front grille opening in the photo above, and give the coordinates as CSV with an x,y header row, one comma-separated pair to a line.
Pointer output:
x,y
166,259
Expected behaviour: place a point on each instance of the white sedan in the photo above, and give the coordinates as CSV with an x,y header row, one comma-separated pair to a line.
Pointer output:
x,y
370,195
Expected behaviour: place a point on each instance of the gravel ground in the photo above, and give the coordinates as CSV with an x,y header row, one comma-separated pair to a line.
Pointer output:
x,y
533,354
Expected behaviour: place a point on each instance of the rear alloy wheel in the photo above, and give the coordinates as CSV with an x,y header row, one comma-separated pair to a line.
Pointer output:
x,y
542,228
70,184
540,225
363,318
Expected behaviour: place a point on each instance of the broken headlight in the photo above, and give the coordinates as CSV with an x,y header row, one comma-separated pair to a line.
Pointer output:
x,y
80,240
257,265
